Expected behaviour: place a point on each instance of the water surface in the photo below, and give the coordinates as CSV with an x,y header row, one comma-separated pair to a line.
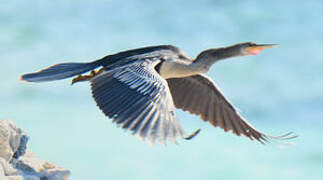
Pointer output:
x,y
279,90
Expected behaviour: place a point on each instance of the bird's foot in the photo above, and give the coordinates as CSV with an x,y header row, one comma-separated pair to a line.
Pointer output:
x,y
81,78
192,135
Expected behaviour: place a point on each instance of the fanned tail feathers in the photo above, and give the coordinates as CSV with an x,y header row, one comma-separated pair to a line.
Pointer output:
x,y
59,71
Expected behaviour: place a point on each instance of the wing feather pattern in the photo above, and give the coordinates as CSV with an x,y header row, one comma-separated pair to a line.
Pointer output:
x,y
199,95
138,100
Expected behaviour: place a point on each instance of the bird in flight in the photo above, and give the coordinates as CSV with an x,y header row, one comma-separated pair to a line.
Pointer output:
x,y
139,90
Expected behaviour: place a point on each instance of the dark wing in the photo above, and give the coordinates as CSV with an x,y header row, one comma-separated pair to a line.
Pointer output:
x,y
59,71
199,95
138,99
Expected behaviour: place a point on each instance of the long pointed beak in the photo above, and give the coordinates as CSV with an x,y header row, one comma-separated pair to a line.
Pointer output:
x,y
256,49
266,46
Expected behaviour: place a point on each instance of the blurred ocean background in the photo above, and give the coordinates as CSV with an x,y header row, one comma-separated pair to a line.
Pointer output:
x,y
279,90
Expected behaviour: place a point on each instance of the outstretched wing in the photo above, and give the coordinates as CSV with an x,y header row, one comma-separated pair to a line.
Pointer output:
x,y
138,99
199,95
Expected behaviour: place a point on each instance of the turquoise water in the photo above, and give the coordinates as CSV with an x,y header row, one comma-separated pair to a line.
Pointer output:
x,y
279,90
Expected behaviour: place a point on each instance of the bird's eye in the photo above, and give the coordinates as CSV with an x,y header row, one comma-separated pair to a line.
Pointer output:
x,y
251,44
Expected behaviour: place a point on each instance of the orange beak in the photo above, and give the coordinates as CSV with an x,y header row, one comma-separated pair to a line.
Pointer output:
x,y
255,50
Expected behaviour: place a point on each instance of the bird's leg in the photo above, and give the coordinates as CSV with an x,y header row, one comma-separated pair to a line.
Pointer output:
x,y
81,78
92,74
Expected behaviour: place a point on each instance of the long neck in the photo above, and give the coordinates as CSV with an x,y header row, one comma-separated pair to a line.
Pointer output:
x,y
208,57
202,64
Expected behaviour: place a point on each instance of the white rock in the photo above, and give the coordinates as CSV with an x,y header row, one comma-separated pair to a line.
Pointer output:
x,y
10,137
31,164
7,168
15,177
2,175
18,164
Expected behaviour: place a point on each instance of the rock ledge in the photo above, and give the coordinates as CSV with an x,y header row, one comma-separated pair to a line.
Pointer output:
x,y
17,163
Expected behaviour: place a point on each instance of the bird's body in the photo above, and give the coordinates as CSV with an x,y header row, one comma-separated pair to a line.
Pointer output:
x,y
139,89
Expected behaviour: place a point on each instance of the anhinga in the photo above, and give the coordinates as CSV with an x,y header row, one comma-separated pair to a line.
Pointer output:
x,y
139,89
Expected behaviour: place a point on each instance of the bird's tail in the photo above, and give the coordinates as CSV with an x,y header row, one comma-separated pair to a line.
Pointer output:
x,y
59,71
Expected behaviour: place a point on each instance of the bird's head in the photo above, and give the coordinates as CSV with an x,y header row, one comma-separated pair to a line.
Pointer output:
x,y
250,48
210,56
241,49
